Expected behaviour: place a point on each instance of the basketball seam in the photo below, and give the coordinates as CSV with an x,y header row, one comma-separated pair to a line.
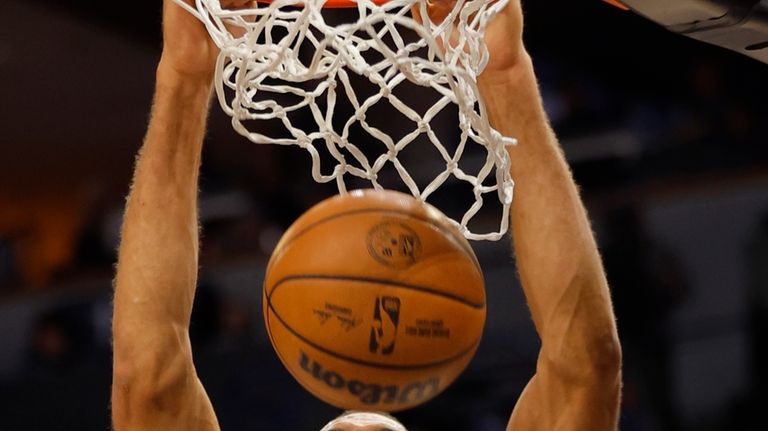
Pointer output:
x,y
316,346
466,247
272,341
296,376
373,280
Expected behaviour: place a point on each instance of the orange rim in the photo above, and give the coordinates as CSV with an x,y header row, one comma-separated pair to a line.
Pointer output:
x,y
335,4
617,3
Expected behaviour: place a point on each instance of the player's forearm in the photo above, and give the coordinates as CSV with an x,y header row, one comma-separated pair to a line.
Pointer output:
x,y
559,266
157,266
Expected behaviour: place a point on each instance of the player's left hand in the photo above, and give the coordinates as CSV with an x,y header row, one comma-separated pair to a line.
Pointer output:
x,y
504,35
504,38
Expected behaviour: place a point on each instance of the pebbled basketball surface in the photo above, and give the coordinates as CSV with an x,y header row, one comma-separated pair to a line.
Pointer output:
x,y
374,301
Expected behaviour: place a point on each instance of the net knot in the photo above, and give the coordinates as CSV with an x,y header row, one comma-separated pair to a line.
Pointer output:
x,y
303,140
313,102
505,140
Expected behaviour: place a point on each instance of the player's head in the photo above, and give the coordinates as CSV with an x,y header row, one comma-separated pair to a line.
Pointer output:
x,y
364,421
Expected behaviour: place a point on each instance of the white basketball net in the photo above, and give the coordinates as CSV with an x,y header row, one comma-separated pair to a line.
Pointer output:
x,y
260,64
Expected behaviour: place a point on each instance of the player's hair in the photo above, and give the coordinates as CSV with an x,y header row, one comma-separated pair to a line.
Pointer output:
x,y
366,418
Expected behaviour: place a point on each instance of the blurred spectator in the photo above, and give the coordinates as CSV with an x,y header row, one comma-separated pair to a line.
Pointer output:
x,y
65,384
647,285
45,228
8,274
57,342
489,422
757,261
244,378
205,323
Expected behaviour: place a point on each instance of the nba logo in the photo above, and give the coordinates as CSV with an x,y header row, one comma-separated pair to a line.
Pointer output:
x,y
386,314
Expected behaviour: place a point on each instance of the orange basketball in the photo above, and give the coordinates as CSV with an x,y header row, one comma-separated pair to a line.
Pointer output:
x,y
374,301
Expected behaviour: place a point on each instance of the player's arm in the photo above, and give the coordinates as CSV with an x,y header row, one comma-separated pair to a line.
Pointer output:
x,y
578,374
155,386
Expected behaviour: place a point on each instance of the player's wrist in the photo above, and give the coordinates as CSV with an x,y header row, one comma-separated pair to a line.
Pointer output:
x,y
170,75
171,72
502,82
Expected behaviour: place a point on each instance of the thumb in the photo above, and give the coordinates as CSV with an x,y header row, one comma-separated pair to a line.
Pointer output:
x,y
437,10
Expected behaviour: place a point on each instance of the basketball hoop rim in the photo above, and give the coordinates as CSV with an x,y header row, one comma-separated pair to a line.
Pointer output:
x,y
337,4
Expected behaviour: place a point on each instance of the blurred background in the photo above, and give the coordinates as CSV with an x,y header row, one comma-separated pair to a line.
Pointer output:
x,y
666,136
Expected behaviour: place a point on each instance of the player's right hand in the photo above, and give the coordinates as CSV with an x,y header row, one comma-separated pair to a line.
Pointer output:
x,y
187,48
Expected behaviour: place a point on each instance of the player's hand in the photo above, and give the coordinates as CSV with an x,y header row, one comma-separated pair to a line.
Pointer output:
x,y
504,38
187,48
504,35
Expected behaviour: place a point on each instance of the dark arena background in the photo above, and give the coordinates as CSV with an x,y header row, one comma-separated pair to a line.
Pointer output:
x,y
668,138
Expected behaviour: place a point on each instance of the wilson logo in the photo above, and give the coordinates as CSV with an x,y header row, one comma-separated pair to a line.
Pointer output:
x,y
371,393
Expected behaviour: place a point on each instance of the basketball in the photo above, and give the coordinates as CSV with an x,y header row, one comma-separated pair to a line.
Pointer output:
x,y
374,301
